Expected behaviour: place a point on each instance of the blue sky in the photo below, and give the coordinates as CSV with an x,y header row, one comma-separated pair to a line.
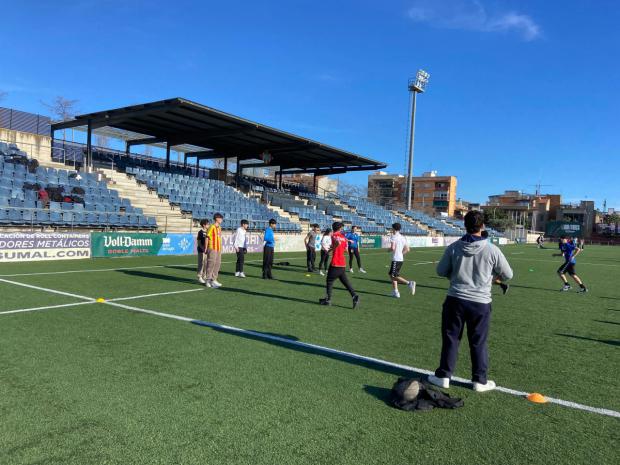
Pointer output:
x,y
520,91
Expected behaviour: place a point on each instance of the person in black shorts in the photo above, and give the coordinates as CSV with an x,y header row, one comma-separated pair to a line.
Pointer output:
x,y
569,251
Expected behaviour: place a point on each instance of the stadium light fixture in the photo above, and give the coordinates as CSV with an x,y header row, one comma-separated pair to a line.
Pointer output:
x,y
416,86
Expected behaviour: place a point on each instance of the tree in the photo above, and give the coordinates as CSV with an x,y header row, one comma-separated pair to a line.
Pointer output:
x,y
63,109
352,190
498,219
612,218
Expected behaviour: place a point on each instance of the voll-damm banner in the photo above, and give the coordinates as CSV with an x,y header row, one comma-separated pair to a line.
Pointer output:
x,y
125,244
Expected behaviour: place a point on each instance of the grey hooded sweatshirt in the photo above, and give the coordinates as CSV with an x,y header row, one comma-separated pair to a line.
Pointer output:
x,y
471,266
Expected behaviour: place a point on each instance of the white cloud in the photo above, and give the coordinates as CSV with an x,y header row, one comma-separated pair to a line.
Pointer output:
x,y
471,15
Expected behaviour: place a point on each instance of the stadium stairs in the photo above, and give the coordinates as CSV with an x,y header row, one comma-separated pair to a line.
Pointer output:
x,y
169,218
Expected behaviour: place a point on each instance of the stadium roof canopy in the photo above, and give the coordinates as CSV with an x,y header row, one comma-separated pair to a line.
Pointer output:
x,y
206,133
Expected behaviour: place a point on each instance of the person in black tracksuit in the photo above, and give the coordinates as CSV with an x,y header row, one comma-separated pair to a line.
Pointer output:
x,y
269,244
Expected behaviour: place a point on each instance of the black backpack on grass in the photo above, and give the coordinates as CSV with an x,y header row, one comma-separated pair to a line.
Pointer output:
x,y
413,394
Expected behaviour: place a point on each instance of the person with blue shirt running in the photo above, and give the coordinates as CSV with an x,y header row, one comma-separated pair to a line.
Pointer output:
x,y
354,238
569,251
269,244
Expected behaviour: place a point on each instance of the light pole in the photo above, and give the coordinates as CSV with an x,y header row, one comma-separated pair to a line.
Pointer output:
x,y
416,85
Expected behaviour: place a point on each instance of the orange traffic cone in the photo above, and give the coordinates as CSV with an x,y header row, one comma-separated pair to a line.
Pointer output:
x,y
537,398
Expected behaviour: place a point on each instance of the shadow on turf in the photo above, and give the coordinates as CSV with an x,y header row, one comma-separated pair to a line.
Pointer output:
x,y
608,322
610,342
322,286
387,281
293,345
379,393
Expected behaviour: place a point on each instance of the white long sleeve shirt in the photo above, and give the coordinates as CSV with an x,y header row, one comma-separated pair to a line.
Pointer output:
x,y
240,239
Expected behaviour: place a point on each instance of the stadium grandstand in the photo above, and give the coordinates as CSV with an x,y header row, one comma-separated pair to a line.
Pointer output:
x,y
80,186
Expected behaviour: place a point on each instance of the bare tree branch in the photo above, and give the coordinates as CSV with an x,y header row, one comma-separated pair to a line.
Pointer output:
x,y
61,108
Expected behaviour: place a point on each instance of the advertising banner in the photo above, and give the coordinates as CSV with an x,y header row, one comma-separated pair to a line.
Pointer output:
x,y
255,242
21,247
178,244
558,228
125,244
288,243
370,242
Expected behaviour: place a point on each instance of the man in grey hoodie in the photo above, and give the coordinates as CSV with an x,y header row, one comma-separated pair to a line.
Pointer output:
x,y
471,264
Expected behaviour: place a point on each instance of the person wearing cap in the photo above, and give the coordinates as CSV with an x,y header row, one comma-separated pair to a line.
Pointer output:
x,y
269,245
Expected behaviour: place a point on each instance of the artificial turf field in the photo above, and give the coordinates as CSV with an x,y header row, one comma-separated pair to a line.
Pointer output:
x,y
101,384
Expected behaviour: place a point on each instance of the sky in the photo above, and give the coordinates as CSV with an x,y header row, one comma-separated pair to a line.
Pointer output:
x,y
520,93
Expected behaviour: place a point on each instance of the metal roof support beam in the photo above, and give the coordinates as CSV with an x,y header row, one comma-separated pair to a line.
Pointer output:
x,y
167,155
145,141
89,147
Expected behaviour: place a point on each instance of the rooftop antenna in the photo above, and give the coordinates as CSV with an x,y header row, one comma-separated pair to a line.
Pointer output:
x,y
539,186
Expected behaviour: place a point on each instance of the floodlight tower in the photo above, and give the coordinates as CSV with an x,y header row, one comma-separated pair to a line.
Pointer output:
x,y
416,85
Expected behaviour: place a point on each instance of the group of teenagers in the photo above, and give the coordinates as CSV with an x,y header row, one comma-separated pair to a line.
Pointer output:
x,y
471,264
331,244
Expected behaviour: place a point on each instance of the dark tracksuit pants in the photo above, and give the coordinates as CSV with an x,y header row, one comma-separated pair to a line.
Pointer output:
x,y
354,251
240,259
334,273
324,260
267,261
310,258
458,313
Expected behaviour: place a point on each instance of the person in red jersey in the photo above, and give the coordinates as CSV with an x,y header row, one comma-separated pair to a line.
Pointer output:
x,y
337,267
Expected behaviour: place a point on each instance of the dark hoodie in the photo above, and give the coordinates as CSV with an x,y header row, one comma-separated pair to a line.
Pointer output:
x,y
471,264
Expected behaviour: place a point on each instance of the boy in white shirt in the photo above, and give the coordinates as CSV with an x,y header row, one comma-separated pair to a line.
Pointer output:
x,y
240,243
326,245
399,247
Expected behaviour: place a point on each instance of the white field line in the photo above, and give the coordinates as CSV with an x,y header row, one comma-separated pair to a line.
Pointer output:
x,y
45,289
49,307
560,261
35,309
564,403
364,358
116,299
145,267
517,253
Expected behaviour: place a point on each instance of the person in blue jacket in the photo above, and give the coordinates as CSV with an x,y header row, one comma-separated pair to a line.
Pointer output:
x,y
269,244
354,239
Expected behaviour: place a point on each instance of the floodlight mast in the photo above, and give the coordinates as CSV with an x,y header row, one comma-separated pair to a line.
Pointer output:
x,y
416,85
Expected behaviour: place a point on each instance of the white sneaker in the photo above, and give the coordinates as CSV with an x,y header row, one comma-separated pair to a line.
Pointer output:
x,y
321,273
236,274
437,381
208,283
241,274
216,284
362,270
478,387
351,270
411,287
201,280
396,294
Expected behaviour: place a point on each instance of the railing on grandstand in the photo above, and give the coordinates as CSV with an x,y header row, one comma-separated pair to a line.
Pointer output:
x,y
35,220
73,153
34,150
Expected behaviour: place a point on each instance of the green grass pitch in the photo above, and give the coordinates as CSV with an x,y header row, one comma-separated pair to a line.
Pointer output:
x,y
97,384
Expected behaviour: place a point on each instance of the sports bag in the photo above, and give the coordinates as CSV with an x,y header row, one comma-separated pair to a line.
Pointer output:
x,y
413,394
